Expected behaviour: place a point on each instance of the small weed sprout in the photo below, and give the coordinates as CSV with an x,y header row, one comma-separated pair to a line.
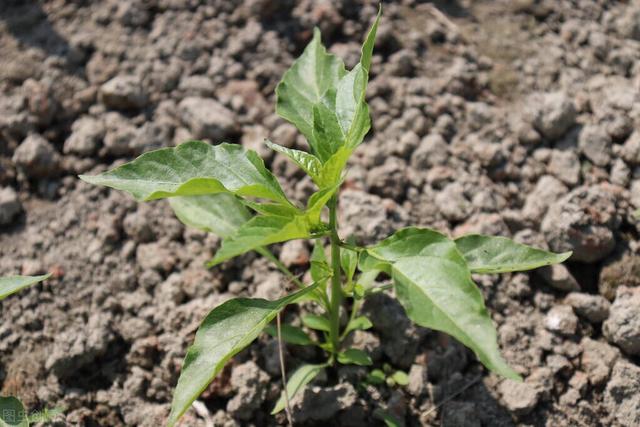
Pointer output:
x,y
227,190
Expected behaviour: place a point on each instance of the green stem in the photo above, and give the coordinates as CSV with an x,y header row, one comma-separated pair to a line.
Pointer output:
x,y
283,268
336,286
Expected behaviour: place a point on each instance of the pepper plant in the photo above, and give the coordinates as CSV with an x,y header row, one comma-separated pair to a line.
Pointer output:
x,y
227,190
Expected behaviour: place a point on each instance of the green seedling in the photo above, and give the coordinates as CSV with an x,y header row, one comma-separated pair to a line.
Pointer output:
x,y
387,375
227,190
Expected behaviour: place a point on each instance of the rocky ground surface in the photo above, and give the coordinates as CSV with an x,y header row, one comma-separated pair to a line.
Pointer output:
x,y
519,119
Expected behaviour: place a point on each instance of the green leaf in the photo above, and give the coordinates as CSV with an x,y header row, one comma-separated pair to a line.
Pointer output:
x,y
353,356
12,413
400,378
348,262
332,169
367,47
221,214
194,168
433,284
488,254
376,377
289,334
305,84
358,323
278,227
261,231
225,331
300,378
306,161
438,293
12,284
318,323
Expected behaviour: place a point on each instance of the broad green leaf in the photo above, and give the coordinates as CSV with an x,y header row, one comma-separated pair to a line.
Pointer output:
x,y
221,214
488,254
12,413
327,132
306,161
271,209
305,84
194,168
318,323
358,323
413,241
261,231
12,284
353,356
300,378
433,283
438,293
289,334
225,331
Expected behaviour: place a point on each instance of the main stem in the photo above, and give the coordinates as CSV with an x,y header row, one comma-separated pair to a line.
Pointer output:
x,y
336,281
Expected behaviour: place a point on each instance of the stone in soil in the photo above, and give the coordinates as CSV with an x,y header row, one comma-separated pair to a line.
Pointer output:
x,y
597,359
622,328
315,404
560,319
207,119
10,206
250,384
552,114
519,397
594,308
37,158
622,395
584,222
123,93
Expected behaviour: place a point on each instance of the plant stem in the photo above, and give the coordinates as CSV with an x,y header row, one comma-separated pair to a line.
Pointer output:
x,y
336,282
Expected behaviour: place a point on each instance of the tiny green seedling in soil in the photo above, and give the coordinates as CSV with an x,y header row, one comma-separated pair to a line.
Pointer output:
x,y
227,190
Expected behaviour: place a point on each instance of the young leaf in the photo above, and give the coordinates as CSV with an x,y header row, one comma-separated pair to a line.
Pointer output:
x,y
353,356
194,168
348,262
488,254
305,84
318,323
221,214
225,331
289,334
300,378
367,46
12,284
261,231
376,377
400,378
438,293
12,413
306,161
358,323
